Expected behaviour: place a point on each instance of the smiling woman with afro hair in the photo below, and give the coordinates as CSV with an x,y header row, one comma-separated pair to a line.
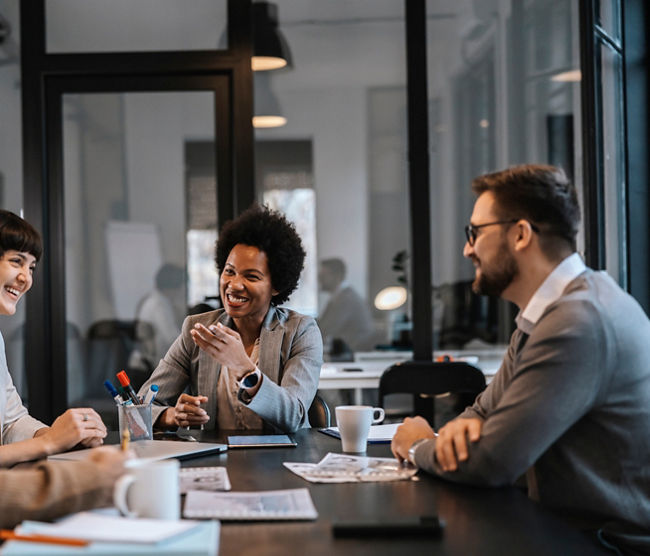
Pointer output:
x,y
272,233
252,364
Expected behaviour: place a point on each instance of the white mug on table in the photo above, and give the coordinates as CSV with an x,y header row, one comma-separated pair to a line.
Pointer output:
x,y
149,489
354,423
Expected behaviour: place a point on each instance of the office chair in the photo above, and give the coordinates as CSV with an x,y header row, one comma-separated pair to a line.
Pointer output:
x,y
319,413
111,343
425,379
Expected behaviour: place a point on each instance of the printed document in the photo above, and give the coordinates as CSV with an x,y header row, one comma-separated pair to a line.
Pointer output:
x,y
342,468
263,505
204,478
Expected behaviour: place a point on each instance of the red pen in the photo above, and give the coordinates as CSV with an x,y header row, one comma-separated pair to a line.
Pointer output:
x,y
7,535
128,389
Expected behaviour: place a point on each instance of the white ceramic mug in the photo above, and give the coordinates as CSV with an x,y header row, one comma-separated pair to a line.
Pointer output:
x,y
149,489
354,423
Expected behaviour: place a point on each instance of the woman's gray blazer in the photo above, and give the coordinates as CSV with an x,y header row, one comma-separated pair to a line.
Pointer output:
x,y
291,355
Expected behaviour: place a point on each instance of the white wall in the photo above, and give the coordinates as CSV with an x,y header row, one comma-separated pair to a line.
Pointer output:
x,y
335,121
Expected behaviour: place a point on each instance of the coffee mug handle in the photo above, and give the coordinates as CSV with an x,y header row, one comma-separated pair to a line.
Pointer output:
x,y
119,494
379,419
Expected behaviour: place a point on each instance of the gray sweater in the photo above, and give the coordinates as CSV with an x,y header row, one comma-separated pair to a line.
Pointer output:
x,y
570,405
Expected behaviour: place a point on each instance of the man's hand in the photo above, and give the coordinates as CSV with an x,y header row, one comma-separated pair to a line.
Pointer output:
x,y
186,413
80,425
412,429
451,444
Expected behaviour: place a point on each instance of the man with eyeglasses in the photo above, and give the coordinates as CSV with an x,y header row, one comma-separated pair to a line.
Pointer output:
x,y
570,405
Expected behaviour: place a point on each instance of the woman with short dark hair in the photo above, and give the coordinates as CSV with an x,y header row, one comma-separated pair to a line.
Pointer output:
x,y
23,438
252,364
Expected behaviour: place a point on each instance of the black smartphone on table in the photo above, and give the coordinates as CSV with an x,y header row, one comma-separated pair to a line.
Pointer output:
x,y
421,526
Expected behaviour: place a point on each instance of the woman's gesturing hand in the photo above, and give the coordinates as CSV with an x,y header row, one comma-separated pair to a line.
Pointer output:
x,y
225,346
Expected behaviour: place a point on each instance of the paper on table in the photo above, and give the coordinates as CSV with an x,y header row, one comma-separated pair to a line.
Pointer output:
x,y
263,505
92,526
343,468
378,433
204,478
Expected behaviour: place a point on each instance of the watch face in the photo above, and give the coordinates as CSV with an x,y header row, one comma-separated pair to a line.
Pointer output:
x,y
251,380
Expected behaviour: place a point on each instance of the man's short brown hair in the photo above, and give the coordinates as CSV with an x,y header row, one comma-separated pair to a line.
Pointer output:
x,y
541,194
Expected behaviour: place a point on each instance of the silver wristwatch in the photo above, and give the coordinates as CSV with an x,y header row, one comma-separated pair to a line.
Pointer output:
x,y
414,446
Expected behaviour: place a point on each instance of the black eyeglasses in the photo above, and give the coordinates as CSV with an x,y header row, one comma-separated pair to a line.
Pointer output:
x,y
471,231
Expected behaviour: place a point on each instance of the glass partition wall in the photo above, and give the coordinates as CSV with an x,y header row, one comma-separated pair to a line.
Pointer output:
x,y
11,175
503,85
134,240
504,89
337,167
139,165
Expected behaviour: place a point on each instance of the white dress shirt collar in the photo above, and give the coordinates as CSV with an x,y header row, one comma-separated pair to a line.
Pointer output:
x,y
550,291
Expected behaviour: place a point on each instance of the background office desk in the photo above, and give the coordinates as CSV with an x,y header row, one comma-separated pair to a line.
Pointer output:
x,y
367,368
478,521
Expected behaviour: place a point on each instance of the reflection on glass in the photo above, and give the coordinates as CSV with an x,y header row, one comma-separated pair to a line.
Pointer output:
x,y
202,281
299,206
345,322
128,210
339,164
134,25
609,12
11,177
613,163
495,101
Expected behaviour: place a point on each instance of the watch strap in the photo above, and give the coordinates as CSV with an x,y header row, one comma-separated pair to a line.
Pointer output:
x,y
413,448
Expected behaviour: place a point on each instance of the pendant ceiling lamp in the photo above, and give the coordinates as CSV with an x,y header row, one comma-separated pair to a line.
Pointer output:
x,y
270,48
267,112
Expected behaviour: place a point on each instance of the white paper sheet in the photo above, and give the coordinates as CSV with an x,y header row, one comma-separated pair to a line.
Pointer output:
x,y
204,478
378,433
263,505
96,527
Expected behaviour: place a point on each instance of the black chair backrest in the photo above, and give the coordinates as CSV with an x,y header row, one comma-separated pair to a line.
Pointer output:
x,y
319,413
110,344
431,378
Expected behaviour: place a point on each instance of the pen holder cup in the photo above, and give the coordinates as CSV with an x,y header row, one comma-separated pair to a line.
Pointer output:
x,y
137,419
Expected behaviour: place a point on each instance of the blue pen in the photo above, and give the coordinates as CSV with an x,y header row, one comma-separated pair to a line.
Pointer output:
x,y
151,395
114,393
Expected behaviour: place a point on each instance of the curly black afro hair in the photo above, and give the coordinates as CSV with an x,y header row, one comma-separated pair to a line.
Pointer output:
x,y
271,232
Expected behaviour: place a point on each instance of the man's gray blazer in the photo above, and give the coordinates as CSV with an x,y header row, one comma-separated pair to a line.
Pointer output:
x,y
570,405
291,355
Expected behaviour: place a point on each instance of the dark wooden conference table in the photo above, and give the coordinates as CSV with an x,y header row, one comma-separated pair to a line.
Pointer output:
x,y
478,521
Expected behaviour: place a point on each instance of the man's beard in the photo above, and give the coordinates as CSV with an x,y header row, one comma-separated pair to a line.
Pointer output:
x,y
495,278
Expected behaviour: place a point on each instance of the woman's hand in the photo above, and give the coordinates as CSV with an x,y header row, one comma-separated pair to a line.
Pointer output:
x,y
225,346
80,425
186,413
